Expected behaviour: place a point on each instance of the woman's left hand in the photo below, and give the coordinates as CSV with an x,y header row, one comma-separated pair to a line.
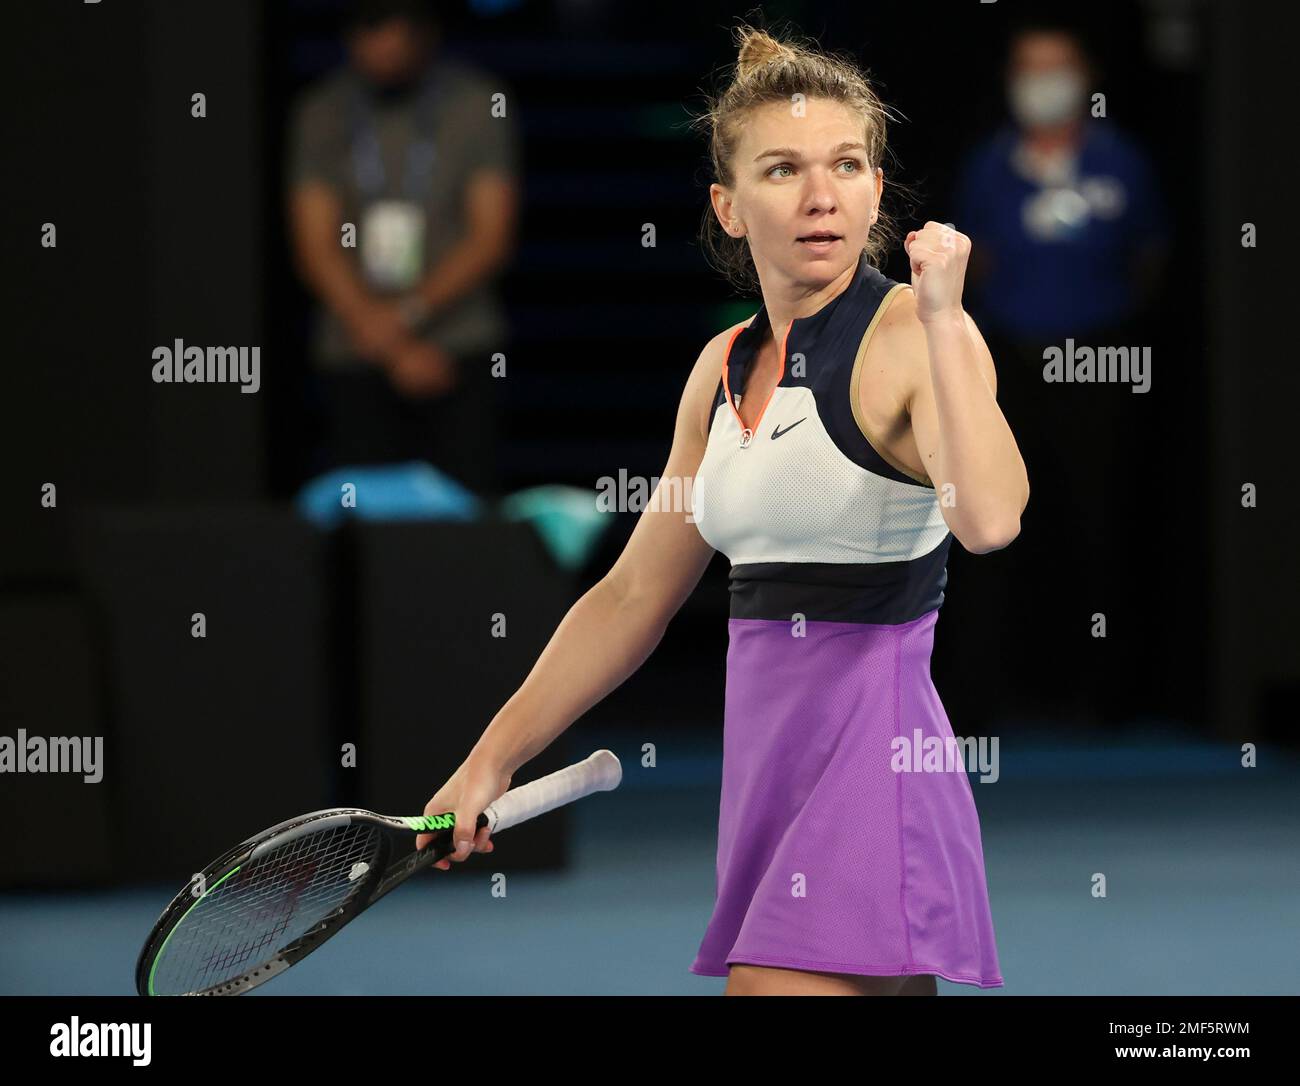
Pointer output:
x,y
938,255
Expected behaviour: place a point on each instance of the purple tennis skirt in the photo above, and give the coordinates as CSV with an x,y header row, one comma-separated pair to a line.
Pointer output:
x,y
830,859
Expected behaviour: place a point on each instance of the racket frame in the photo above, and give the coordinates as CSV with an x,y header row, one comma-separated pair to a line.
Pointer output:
x,y
384,875
599,772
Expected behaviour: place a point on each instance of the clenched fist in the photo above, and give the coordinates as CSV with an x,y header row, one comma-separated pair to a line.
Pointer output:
x,y
938,255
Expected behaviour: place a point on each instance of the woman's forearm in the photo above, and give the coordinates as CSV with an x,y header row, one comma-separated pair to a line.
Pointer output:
x,y
602,640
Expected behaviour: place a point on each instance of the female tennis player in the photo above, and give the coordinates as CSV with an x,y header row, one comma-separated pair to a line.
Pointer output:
x,y
836,442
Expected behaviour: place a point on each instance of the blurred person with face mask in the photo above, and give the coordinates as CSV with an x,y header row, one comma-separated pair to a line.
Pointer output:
x,y
1069,235
403,201
1064,205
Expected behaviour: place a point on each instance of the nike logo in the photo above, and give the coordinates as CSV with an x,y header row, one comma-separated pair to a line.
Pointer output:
x,y
778,432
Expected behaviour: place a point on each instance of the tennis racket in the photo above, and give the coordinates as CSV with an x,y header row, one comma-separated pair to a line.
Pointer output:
x,y
271,900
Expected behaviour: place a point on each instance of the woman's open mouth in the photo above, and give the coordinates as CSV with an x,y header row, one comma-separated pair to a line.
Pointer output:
x,y
820,242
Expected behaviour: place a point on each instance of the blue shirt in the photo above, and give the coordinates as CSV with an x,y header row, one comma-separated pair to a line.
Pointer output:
x,y
1061,257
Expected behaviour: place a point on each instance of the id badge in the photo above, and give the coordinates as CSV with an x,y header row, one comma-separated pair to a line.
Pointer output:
x,y
392,244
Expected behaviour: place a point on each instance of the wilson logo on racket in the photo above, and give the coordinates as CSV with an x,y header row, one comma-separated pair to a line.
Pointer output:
x,y
425,823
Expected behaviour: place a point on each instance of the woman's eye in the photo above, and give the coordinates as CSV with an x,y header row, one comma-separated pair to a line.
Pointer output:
x,y
786,166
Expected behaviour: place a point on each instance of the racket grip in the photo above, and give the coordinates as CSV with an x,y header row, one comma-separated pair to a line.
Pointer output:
x,y
600,772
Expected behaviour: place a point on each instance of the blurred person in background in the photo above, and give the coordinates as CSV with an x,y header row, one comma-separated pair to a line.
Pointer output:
x,y
412,150
1069,235
1065,204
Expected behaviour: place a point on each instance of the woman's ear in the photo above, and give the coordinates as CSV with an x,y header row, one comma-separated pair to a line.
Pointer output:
x,y
722,207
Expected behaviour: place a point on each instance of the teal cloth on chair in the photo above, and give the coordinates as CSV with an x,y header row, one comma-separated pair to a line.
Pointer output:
x,y
412,491
565,517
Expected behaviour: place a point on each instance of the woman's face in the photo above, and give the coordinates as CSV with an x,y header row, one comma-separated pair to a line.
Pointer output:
x,y
801,170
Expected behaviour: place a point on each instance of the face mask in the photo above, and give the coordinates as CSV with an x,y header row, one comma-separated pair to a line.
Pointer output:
x,y
1046,97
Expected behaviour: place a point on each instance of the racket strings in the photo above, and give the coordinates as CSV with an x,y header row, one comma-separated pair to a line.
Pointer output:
x,y
250,915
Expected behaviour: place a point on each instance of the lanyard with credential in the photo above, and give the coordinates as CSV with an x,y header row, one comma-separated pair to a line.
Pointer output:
x,y
367,161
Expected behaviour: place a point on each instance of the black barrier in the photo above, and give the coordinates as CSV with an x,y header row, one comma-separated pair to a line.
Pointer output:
x,y
449,618
214,631
57,783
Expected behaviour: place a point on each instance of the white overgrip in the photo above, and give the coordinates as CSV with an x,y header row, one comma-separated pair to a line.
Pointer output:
x,y
600,772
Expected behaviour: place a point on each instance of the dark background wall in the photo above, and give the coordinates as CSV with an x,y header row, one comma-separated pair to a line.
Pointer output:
x,y
1250,592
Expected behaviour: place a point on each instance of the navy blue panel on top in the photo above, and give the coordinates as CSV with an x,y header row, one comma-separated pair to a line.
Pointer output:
x,y
877,593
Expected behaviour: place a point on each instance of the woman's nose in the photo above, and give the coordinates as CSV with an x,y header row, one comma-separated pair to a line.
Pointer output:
x,y
819,194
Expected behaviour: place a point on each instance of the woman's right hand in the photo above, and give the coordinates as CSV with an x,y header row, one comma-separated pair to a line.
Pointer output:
x,y
467,793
